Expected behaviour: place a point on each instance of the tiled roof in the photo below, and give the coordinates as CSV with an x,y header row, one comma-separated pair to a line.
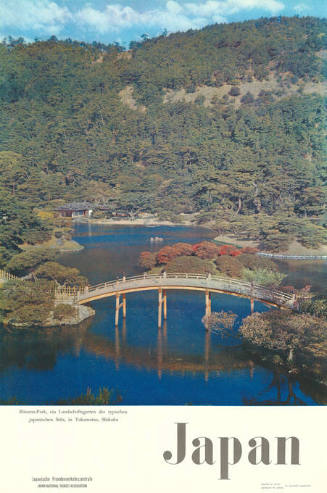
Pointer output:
x,y
76,206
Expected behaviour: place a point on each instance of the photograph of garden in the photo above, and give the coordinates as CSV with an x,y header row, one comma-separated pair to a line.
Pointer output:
x,y
163,190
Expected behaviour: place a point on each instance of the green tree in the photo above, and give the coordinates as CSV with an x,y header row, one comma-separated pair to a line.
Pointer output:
x,y
53,271
25,303
264,277
26,261
296,337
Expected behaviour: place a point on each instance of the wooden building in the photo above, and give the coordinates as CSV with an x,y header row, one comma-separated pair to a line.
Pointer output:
x,y
76,209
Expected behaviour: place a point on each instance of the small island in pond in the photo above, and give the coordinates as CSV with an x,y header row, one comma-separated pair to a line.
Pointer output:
x,y
295,340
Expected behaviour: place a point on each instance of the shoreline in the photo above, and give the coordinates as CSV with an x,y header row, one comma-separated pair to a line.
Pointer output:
x,y
232,240
83,313
62,246
138,222
295,249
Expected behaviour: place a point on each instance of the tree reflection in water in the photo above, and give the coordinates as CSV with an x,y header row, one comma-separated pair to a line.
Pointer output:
x,y
40,350
278,383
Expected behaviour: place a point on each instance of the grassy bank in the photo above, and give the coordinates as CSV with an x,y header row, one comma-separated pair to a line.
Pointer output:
x,y
59,244
295,248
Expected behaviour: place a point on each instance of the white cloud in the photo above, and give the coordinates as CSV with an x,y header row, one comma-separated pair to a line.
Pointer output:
x,y
174,16
272,6
212,7
174,7
112,18
41,15
49,17
301,8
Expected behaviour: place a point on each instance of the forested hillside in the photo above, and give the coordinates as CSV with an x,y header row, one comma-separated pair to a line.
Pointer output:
x,y
228,122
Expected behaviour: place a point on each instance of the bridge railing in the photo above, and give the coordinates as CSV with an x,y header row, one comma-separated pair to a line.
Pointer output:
x,y
292,257
5,276
213,282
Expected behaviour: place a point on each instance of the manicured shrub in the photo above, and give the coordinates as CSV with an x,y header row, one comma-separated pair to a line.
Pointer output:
x,y
229,266
63,311
229,250
53,271
235,91
147,260
26,302
247,98
264,277
22,263
192,265
206,250
316,307
299,339
183,248
166,254
253,262
34,236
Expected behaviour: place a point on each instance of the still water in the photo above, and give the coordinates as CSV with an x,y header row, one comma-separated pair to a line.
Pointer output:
x,y
179,364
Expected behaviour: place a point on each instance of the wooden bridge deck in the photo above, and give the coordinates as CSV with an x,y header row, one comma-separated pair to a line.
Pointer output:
x,y
183,281
163,282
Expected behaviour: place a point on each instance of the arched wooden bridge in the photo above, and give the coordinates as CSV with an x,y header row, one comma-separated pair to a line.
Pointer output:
x,y
194,282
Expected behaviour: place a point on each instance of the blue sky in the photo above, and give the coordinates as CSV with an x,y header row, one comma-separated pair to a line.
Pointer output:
x,y
125,20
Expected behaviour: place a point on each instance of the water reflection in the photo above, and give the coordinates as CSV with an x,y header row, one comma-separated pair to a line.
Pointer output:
x,y
281,397
302,273
39,351
178,364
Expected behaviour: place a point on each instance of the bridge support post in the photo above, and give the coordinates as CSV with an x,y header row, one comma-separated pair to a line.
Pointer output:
x,y
117,309
206,354
252,306
159,308
160,354
117,347
165,304
124,330
208,303
124,305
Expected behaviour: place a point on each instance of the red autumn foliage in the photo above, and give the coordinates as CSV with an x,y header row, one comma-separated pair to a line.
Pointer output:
x,y
147,260
229,250
206,250
235,253
166,254
183,249
169,252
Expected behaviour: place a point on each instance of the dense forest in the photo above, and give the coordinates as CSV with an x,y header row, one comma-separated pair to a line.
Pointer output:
x,y
227,123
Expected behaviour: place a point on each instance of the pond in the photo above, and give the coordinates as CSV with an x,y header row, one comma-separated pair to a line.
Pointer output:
x,y
180,364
